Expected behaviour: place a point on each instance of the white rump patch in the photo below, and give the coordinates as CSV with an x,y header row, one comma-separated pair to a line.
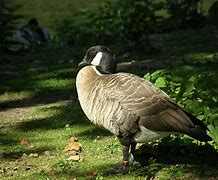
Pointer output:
x,y
146,135
97,59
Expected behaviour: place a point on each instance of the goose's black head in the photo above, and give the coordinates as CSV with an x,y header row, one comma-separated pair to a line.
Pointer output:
x,y
100,57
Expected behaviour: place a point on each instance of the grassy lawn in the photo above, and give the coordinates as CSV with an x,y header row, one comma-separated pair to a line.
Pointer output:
x,y
39,113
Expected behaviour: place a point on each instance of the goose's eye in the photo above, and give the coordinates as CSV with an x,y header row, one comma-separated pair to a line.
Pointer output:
x,y
91,53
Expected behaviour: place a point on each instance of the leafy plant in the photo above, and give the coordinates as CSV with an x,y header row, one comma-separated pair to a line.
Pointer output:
x,y
121,21
213,132
190,90
128,21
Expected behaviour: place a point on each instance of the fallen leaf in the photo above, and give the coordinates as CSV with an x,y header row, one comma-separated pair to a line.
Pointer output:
x,y
81,159
73,146
72,153
94,173
73,139
33,155
24,156
25,142
47,153
73,158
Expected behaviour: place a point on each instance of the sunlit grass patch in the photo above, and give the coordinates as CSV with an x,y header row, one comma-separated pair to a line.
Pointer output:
x,y
7,96
199,57
54,83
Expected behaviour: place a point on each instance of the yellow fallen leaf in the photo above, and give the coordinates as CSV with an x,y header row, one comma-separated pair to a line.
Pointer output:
x,y
74,158
81,159
25,142
33,155
73,146
24,156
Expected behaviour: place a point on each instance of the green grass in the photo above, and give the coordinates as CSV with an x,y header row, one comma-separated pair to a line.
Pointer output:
x,y
38,103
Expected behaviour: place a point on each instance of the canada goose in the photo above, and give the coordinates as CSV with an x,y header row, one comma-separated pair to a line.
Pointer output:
x,y
128,106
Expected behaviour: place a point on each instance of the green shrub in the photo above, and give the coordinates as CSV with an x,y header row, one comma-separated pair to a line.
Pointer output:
x,y
128,21
196,92
213,132
123,20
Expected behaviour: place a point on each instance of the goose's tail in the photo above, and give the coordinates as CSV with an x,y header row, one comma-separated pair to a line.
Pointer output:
x,y
199,132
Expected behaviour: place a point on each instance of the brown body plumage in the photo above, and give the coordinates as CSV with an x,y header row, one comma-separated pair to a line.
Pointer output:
x,y
123,102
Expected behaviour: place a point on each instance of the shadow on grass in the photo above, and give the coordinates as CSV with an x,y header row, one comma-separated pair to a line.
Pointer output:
x,y
70,170
94,132
68,114
18,154
176,150
56,116
177,154
40,73
45,88
39,99
6,139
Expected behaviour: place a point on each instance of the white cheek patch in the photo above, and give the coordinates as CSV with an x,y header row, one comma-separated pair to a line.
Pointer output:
x,y
97,59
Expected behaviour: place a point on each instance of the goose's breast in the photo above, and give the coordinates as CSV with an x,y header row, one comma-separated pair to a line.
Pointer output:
x,y
97,107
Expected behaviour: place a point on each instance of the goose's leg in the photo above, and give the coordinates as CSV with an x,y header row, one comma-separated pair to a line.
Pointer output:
x,y
127,156
133,146
131,154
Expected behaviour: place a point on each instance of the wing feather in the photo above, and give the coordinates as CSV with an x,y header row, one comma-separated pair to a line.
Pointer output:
x,y
151,107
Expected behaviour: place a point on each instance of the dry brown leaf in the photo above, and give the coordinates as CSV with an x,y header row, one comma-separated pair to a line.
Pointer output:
x,y
74,158
81,159
25,142
24,156
94,173
33,155
73,146
72,153
47,153
73,139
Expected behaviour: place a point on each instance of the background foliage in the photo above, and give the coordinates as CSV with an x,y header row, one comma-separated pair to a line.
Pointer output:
x,y
131,20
